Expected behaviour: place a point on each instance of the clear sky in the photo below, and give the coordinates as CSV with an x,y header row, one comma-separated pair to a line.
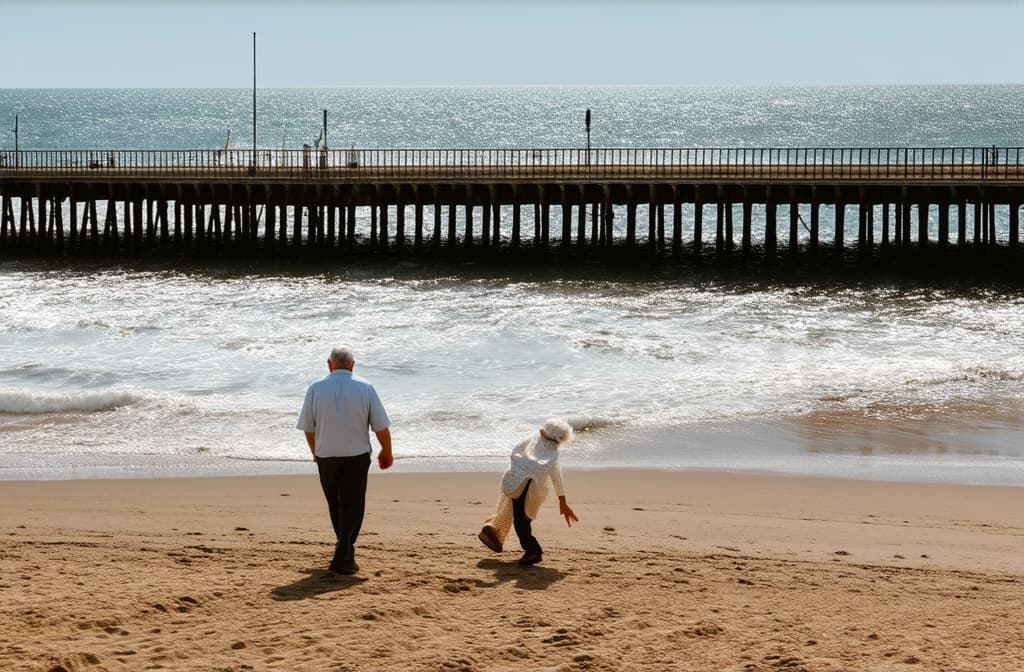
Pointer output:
x,y
300,43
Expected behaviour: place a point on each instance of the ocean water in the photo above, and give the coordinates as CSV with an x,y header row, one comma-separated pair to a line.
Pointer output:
x,y
129,371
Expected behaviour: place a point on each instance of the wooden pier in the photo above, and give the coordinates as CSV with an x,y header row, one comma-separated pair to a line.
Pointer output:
x,y
868,205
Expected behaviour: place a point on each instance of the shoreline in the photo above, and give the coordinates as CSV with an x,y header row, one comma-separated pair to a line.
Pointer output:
x,y
666,571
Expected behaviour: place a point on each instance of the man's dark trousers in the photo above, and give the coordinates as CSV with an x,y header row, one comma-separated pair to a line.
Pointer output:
x,y
344,482
523,524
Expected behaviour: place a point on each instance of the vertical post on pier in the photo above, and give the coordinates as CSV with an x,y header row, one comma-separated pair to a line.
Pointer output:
x,y
73,237
269,242
566,222
729,244
840,225
545,224
452,208
871,229
922,226
815,221
252,168
885,224
771,230
698,221
1014,232
977,221
677,223
382,233
748,217
794,222
485,220
516,219
719,222
630,218
961,219
943,224
417,236
652,220
435,242
469,218
399,219
581,226
58,215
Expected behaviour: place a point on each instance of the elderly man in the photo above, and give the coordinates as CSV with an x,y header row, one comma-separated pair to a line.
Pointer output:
x,y
335,416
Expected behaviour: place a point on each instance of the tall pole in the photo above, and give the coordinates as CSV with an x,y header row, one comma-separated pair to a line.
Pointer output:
x,y
587,120
254,101
17,153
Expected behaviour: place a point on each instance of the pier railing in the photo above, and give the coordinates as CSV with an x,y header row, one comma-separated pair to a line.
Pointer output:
x,y
869,163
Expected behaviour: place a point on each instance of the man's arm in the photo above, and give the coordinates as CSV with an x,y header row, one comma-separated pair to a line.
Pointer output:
x,y
311,440
384,458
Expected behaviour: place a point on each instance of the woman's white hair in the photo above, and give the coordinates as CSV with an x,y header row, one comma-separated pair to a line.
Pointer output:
x,y
559,430
342,356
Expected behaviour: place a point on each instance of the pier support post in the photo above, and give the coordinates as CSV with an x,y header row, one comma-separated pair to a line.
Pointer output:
x,y
943,225
1014,227
794,222
771,231
748,216
516,219
719,223
452,213
652,220
961,221
581,222
838,239
815,222
435,242
698,221
677,223
399,219
630,218
885,225
485,221
729,245
417,236
922,226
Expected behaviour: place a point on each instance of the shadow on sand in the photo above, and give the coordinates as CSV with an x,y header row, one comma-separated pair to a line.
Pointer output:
x,y
317,582
533,577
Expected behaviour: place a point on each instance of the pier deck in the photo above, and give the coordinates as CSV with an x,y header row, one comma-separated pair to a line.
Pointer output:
x,y
344,202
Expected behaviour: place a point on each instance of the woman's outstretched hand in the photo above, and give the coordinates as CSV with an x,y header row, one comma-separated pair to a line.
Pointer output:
x,y
566,510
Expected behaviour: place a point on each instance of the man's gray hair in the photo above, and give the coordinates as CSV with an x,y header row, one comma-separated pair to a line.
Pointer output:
x,y
342,356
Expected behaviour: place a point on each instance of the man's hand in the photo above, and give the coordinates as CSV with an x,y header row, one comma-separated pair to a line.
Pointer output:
x,y
384,457
311,442
566,510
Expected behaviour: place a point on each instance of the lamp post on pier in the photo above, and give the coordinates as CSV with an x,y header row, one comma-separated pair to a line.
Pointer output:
x,y
17,149
588,135
252,168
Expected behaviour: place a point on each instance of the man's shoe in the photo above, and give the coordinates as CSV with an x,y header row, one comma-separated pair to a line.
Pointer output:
x,y
530,559
489,535
347,568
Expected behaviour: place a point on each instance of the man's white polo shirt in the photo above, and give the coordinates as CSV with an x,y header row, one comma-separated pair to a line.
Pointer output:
x,y
339,409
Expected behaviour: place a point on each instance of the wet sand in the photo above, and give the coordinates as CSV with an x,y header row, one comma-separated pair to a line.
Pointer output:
x,y
668,570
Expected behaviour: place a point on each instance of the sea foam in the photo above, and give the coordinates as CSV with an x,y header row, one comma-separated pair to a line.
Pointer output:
x,y
26,402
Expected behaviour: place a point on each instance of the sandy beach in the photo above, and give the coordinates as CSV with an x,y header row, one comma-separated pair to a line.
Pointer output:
x,y
666,571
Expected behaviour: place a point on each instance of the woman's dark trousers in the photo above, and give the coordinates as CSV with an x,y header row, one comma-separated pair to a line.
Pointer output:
x,y
523,524
344,482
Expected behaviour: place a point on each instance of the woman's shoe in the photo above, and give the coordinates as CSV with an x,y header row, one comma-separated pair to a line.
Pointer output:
x,y
530,559
489,535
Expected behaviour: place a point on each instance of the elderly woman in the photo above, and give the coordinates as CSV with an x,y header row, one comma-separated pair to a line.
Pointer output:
x,y
525,486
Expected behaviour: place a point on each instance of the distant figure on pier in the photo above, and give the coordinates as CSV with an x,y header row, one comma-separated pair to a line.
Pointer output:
x,y
335,416
534,462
